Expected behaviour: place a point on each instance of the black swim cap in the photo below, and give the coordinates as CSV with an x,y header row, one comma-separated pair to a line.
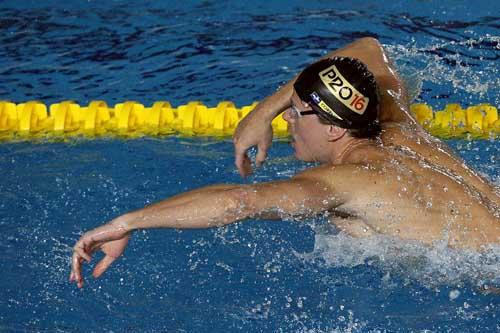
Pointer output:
x,y
342,90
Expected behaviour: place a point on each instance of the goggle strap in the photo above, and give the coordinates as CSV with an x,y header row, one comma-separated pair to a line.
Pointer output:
x,y
305,113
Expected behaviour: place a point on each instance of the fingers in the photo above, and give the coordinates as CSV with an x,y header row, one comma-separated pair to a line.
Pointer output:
x,y
76,270
111,239
79,255
261,155
243,163
80,250
103,265
263,142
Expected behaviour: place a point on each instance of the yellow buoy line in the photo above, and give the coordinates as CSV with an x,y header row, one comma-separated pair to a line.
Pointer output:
x,y
34,120
476,121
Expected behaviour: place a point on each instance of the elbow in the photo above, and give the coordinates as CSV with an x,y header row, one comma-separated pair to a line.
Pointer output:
x,y
369,41
238,203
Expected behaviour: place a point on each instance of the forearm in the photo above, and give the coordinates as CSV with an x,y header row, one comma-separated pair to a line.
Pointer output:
x,y
270,107
273,105
202,208
184,197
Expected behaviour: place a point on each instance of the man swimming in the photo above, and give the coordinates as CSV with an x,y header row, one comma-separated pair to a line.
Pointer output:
x,y
379,171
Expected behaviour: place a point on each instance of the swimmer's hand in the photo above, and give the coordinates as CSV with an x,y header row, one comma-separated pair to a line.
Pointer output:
x,y
251,132
111,238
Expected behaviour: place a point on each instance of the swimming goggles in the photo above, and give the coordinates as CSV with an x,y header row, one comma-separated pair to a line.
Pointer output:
x,y
296,113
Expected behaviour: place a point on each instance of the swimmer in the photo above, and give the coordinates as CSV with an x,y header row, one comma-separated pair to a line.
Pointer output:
x,y
379,172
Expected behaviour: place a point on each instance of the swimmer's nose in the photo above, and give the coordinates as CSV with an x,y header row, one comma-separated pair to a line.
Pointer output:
x,y
287,115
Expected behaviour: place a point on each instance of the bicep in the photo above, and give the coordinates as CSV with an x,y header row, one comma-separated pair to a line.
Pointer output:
x,y
295,197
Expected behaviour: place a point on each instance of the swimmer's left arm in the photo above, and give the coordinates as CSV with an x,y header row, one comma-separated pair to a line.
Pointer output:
x,y
218,205
300,196
224,204
112,238
207,207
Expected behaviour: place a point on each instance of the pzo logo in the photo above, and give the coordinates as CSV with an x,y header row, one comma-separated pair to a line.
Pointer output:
x,y
343,90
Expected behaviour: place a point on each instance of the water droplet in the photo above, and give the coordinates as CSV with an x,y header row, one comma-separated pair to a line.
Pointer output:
x,y
300,304
454,294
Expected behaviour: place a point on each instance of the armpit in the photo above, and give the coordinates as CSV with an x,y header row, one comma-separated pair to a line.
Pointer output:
x,y
353,226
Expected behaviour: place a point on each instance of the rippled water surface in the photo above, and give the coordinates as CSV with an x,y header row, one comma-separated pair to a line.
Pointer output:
x,y
256,276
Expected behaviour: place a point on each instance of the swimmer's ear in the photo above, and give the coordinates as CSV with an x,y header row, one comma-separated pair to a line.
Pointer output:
x,y
334,132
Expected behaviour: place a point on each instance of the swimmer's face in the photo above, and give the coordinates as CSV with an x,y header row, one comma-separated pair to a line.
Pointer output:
x,y
306,131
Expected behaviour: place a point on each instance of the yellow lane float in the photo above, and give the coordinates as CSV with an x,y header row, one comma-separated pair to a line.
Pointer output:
x,y
33,120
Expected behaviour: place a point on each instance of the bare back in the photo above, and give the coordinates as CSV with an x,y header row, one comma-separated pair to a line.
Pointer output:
x,y
400,129
396,192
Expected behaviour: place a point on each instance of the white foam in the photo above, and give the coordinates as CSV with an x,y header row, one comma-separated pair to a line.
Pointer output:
x,y
431,265
431,63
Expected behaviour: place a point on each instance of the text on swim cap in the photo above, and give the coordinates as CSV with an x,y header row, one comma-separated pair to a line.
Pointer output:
x,y
315,97
343,90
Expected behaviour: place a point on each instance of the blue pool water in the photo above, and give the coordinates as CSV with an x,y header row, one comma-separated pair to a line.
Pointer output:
x,y
254,276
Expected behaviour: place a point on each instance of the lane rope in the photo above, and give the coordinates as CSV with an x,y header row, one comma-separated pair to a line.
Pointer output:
x,y
34,120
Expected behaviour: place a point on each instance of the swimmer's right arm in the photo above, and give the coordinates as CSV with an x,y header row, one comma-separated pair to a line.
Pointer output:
x,y
255,129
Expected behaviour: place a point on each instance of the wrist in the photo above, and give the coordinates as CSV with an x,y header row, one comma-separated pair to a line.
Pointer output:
x,y
273,106
125,222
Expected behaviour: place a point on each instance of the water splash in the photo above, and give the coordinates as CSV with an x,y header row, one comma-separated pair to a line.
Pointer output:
x,y
454,62
430,265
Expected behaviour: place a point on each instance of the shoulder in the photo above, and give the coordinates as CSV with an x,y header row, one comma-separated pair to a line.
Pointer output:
x,y
369,43
371,52
360,46
357,182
